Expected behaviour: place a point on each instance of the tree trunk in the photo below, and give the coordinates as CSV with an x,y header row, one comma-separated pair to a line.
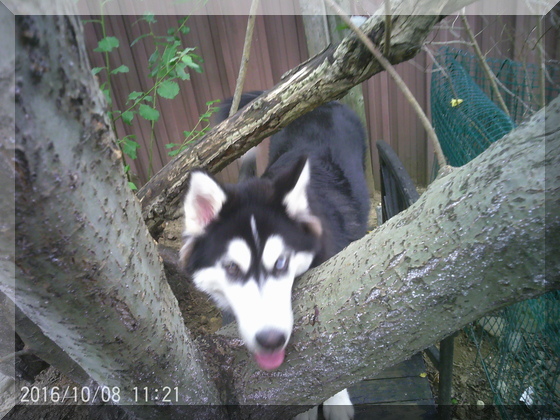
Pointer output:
x,y
88,272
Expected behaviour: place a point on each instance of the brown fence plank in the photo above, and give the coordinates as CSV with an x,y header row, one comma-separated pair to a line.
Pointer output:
x,y
278,46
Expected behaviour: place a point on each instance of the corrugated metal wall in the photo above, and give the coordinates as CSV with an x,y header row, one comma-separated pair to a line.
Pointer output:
x,y
279,45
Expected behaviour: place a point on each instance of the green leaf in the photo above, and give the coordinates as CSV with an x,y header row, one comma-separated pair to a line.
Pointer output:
x,y
97,70
174,152
171,145
107,44
187,59
129,147
168,89
120,69
180,71
169,53
148,112
153,57
150,18
132,96
132,186
127,117
138,39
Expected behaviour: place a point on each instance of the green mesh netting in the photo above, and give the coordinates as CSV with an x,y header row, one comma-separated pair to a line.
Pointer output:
x,y
519,346
465,119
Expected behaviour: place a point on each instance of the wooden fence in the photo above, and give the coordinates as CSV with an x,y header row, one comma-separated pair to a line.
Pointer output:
x,y
279,44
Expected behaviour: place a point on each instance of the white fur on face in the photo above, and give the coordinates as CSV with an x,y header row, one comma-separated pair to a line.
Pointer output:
x,y
272,250
258,304
239,253
214,280
275,248
258,308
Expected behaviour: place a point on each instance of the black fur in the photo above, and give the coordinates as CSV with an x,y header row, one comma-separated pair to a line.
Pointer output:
x,y
333,139
261,198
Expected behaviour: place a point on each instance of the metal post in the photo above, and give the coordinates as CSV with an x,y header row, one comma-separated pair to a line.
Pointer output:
x,y
445,377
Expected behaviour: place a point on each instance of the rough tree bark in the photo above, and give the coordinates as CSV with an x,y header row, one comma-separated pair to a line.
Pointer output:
x,y
89,276
472,243
88,273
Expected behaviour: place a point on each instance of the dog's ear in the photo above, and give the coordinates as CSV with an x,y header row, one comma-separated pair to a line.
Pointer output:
x,y
203,201
294,189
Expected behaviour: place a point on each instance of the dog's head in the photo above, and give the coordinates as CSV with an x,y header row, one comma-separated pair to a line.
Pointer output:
x,y
245,244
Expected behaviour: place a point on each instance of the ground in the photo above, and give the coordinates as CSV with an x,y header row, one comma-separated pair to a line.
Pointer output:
x,y
470,386
471,394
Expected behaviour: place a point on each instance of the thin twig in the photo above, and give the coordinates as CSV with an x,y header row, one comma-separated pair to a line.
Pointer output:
x,y
244,58
491,77
398,81
12,356
387,27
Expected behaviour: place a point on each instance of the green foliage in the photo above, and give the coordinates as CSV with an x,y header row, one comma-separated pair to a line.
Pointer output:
x,y
168,89
168,65
129,146
120,69
149,113
131,184
202,126
107,44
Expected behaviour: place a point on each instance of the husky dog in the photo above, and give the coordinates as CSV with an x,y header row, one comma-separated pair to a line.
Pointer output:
x,y
244,244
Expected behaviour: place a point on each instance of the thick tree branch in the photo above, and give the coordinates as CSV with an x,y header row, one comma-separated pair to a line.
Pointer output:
x,y
326,77
473,243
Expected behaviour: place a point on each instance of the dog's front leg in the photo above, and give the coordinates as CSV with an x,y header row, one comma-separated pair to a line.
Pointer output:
x,y
308,415
338,407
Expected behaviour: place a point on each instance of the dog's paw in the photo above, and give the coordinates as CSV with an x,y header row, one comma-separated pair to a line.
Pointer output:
x,y
338,412
308,415
338,407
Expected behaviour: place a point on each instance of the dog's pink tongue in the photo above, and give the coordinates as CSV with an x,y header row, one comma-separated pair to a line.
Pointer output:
x,y
270,361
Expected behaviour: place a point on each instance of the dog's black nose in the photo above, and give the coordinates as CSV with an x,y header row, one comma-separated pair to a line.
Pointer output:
x,y
271,339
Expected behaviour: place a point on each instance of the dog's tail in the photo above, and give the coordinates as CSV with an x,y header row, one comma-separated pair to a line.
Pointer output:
x,y
248,167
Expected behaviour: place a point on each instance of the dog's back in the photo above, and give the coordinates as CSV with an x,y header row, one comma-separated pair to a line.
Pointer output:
x,y
333,139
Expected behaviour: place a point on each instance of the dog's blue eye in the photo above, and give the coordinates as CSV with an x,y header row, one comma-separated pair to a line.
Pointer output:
x,y
232,269
281,264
